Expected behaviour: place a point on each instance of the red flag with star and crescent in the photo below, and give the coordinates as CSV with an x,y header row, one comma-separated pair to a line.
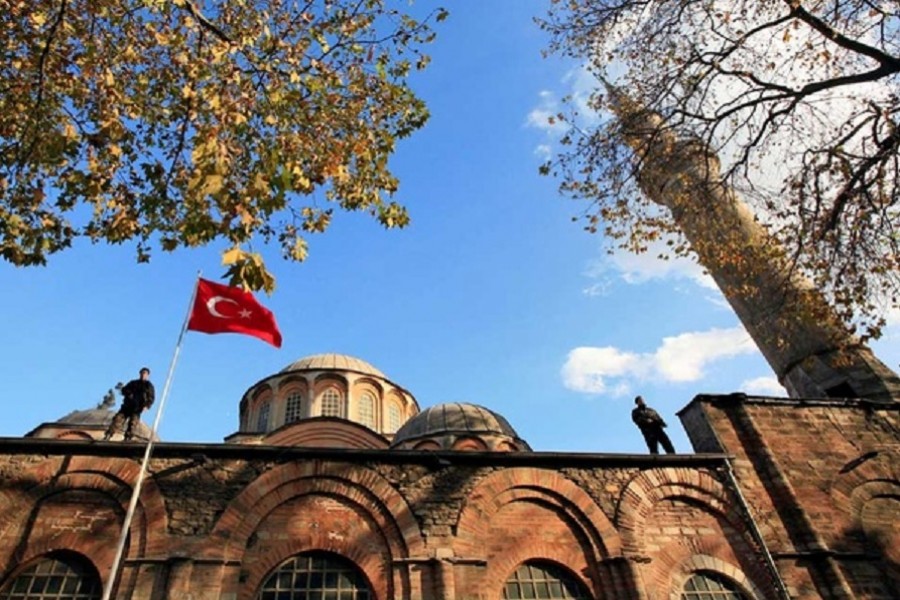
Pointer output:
x,y
223,309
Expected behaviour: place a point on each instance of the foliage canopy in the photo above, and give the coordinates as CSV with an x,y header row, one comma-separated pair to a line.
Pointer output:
x,y
175,123
799,98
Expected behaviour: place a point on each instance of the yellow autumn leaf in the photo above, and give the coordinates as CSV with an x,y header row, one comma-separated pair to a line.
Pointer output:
x,y
211,184
232,256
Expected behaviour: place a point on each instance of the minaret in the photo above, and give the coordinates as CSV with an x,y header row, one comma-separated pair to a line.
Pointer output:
x,y
810,349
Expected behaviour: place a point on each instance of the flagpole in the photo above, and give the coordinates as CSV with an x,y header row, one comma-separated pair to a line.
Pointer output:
x,y
136,492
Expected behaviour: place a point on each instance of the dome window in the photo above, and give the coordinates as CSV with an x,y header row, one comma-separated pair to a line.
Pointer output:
x,y
366,410
393,418
293,410
262,417
332,403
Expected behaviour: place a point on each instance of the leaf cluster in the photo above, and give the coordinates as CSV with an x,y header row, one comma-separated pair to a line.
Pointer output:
x,y
800,100
176,123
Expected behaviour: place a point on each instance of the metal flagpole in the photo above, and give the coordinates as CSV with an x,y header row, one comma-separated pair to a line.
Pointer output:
x,y
136,492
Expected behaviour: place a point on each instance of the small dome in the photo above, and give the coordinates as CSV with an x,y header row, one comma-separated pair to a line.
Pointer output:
x,y
92,423
93,416
341,362
454,420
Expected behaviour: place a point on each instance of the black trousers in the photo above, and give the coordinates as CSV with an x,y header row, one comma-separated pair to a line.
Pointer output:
x,y
656,436
128,418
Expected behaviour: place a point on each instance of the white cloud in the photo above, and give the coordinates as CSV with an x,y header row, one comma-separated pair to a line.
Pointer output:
x,y
544,151
640,268
598,288
683,357
609,370
543,116
764,386
586,368
579,84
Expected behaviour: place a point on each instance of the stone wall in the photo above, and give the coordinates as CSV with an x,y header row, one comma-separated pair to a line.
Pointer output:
x,y
215,520
822,479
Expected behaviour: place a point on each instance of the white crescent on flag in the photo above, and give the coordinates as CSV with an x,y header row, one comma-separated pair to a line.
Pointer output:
x,y
211,306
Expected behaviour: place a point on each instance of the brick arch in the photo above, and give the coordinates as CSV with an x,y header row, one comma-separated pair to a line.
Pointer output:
x,y
263,395
377,571
870,490
325,379
506,566
544,486
500,568
292,380
363,381
326,432
469,443
288,386
360,485
113,478
694,562
882,533
872,466
654,485
73,434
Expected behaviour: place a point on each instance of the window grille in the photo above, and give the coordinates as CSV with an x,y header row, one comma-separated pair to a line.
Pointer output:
x,y
316,575
262,419
332,403
543,580
707,585
367,410
393,418
54,579
293,410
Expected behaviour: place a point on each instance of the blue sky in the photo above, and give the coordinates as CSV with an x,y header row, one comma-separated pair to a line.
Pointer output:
x,y
491,296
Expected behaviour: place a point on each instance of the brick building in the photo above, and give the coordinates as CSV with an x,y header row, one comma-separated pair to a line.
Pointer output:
x,y
337,487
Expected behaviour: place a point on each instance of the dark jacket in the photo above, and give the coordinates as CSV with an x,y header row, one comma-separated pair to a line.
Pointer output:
x,y
646,418
139,395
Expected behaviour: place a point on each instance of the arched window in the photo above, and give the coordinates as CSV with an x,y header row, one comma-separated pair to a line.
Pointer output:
x,y
540,579
707,585
468,444
262,417
293,409
366,410
332,403
54,578
316,575
393,418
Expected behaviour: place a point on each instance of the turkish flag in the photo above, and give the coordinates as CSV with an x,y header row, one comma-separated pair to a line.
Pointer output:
x,y
223,309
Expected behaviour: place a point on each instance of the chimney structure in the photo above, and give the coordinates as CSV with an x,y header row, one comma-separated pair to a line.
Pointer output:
x,y
811,350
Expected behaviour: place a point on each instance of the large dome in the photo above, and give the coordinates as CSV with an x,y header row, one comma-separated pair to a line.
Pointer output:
x,y
453,424
286,407
340,362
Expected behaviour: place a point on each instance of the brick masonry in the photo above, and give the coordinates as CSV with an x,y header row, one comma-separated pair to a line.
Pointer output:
x,y
822,478
214,520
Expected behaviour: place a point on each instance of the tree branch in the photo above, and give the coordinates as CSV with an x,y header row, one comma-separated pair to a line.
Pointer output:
x,y
204,22
884,59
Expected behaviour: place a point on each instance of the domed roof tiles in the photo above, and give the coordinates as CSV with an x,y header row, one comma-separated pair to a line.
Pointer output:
x,y
92,416
454,417
339,362
101,416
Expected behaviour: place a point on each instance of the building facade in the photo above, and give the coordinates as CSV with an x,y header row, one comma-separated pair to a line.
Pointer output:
x,y
336,486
